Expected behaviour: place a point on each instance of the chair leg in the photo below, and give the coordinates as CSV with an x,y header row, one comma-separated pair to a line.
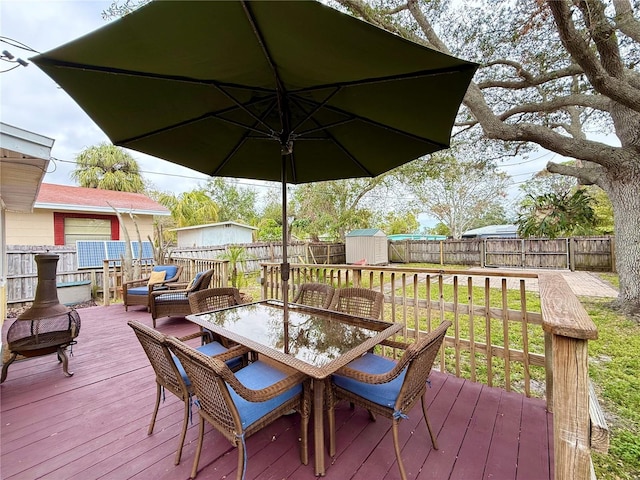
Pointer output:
x,y
155,410
241,460
184,431
196,459
396,446
426,419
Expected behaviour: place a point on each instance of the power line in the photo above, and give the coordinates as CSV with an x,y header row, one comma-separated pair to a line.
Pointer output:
x,y
176,175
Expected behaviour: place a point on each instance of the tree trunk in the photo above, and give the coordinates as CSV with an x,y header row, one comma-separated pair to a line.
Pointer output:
x,y
625,198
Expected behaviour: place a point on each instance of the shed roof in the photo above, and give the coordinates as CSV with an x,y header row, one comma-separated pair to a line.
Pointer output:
x,y
493,230
366,232
65,197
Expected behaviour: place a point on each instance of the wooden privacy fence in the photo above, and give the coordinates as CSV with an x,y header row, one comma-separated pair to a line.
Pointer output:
x,y
257,253
22,277
575,253
522,332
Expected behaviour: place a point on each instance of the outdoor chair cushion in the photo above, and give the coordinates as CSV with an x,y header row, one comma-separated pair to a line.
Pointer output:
x,y
384,394
256,376
171,297
138,291
209,349
157,276
169,270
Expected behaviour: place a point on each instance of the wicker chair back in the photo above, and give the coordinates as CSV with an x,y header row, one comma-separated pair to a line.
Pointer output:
x,y
362,302
317,295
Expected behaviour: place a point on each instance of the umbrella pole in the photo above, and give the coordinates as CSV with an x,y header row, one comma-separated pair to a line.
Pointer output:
x,y
284,267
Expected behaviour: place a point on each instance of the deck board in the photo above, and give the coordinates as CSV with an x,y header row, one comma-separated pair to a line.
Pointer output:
x,y
94,425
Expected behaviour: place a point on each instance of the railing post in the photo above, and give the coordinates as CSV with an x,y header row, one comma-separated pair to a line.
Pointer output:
x,y
570,328
106,294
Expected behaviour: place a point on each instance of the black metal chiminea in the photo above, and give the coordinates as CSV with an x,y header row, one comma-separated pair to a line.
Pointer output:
x,y
48,326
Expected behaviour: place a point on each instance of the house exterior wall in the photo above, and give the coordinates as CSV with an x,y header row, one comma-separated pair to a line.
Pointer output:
x,y
37,228
30,228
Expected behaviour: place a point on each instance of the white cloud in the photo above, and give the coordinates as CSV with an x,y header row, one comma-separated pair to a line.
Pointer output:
x,y
30,100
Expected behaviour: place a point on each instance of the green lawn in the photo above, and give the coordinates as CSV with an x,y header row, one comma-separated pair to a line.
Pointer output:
x,y
614,369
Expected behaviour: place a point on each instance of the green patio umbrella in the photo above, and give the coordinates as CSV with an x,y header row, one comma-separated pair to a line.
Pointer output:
x,y
290,91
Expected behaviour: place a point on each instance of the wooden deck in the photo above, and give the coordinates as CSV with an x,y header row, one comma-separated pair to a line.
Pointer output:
x,y
94,424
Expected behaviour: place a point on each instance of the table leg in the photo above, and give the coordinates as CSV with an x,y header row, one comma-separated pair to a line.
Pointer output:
x,y
318,426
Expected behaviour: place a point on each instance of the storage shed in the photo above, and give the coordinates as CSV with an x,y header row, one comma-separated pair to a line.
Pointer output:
x,y
223,233
367,246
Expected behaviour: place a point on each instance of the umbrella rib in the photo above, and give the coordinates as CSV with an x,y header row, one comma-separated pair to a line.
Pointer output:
x,y
389,78
351,118
239,144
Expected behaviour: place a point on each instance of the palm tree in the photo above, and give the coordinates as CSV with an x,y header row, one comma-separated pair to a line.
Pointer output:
x,y
108,167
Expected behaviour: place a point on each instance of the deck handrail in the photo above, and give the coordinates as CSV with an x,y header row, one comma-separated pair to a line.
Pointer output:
x,y
416,296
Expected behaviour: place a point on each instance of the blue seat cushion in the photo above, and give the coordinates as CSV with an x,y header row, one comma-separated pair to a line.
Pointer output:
x,y
170,297
138,291
209,349
384,394
256,376
170,270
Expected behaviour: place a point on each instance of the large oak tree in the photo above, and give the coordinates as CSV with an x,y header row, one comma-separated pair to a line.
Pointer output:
x,y
558,74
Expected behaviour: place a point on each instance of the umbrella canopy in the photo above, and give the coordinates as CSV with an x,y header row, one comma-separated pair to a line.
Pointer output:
x,y
290,91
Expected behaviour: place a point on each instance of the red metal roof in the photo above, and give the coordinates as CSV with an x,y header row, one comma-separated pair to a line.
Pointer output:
x,y
80,198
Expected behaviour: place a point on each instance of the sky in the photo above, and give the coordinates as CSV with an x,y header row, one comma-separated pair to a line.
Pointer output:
x,y
30,100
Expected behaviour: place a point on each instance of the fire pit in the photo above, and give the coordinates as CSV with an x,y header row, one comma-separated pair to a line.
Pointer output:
x,y
32,338
48,326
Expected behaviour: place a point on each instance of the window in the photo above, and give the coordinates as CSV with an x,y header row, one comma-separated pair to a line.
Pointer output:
x,y
70,227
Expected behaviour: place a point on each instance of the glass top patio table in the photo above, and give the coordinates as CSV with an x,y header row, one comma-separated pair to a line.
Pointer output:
x,y
314,341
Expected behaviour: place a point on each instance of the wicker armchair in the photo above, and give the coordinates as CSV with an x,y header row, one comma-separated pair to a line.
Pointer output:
x,y
314,295
136,292
358,301
240,405
175,302
388,388
169,373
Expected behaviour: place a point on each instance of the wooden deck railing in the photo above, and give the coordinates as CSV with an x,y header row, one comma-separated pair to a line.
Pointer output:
x,y
112,275
524,332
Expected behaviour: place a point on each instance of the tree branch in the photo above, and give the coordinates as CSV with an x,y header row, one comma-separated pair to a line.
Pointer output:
x,y
529,79
587,176
617,89
625,20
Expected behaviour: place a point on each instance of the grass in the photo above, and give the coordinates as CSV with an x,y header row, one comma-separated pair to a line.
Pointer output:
x,y
614,368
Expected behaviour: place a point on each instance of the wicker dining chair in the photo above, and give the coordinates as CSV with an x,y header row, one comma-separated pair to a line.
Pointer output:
x,y
386,387
238,405
175,302
170,375
317,295
362,302
211,299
